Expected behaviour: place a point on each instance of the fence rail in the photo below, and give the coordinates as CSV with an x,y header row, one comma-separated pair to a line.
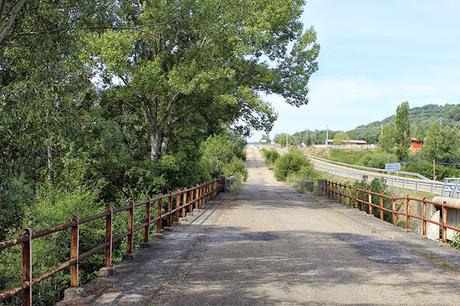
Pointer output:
x,y
417,185
184,201
370,169
378,204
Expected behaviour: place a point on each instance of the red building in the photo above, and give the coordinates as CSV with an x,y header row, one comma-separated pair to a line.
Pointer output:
x,y
415,144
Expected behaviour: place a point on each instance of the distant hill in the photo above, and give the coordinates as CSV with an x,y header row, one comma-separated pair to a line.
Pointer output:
x,y
421,118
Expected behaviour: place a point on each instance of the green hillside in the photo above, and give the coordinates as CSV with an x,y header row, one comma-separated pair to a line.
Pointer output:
x,y
421,118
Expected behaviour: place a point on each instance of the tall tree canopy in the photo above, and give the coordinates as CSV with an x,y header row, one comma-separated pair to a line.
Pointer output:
x,y
402,130
207,60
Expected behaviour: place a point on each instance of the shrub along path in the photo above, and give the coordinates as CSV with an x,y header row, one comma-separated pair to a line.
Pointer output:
x,y
268,244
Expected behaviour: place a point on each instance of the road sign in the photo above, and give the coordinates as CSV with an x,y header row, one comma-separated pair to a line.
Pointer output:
x,y
393,167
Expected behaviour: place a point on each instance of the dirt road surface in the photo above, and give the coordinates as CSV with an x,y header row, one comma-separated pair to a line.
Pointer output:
x,y
269,245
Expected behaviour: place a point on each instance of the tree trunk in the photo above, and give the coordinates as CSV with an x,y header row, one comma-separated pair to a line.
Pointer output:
x,y
156,145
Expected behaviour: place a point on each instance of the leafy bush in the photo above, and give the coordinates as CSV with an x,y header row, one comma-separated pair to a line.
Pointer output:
x,y
290,163
270,156
236,167
300,180
219,150
378,186
346,155
425,168
377,159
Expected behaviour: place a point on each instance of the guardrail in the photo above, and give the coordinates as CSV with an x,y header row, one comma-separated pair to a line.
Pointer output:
x,y
185,200
367,168
389,208
417,185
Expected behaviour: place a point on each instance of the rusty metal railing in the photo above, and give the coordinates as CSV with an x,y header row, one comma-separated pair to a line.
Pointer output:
x,y
363,199
185,201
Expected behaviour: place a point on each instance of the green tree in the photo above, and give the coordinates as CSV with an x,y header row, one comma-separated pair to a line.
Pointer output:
x,y
441,144
340,137
387,140
402,131
206,59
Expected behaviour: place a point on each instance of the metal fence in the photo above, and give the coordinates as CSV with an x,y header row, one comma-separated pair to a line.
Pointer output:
x,y
184,201
402,182
370,169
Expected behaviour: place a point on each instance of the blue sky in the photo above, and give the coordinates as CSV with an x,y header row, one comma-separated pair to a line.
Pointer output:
x,y
374,55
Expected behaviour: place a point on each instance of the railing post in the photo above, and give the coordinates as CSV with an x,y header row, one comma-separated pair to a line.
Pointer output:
x,y
204,195
339,189
424,217
160,212
356,197
370,203
108,238
190,196
381,207
27,269
130,226
393,211
176,213
407,212
170,199
148,206
184,202
197,196
74,246
444,222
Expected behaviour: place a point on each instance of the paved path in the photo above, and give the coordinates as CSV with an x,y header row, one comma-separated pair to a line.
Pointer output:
x,y
268,244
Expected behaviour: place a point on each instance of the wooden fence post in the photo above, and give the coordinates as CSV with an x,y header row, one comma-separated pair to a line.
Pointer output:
x,y
190,196
407,212
444,222
381,207
424,217
205,195
160,213
130,226
197,196
356,198
176,213
394,218
108,238
148,206
184,202
170,200
27,269
370,203
74,246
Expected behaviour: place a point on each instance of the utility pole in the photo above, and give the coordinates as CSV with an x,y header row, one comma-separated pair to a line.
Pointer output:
x,y
434,169
327,135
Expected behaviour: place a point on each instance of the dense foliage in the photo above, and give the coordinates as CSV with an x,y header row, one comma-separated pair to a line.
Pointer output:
x,y
378,186
270,156
102,101
291,163
421,117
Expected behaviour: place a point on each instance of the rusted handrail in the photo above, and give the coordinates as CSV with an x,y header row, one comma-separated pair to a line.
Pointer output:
x,y
186,200
363,197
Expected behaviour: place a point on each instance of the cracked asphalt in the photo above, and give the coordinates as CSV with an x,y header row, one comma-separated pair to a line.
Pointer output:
x,y
269,245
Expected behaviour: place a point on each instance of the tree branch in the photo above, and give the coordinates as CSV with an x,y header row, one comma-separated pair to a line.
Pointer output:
x,y
9,24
